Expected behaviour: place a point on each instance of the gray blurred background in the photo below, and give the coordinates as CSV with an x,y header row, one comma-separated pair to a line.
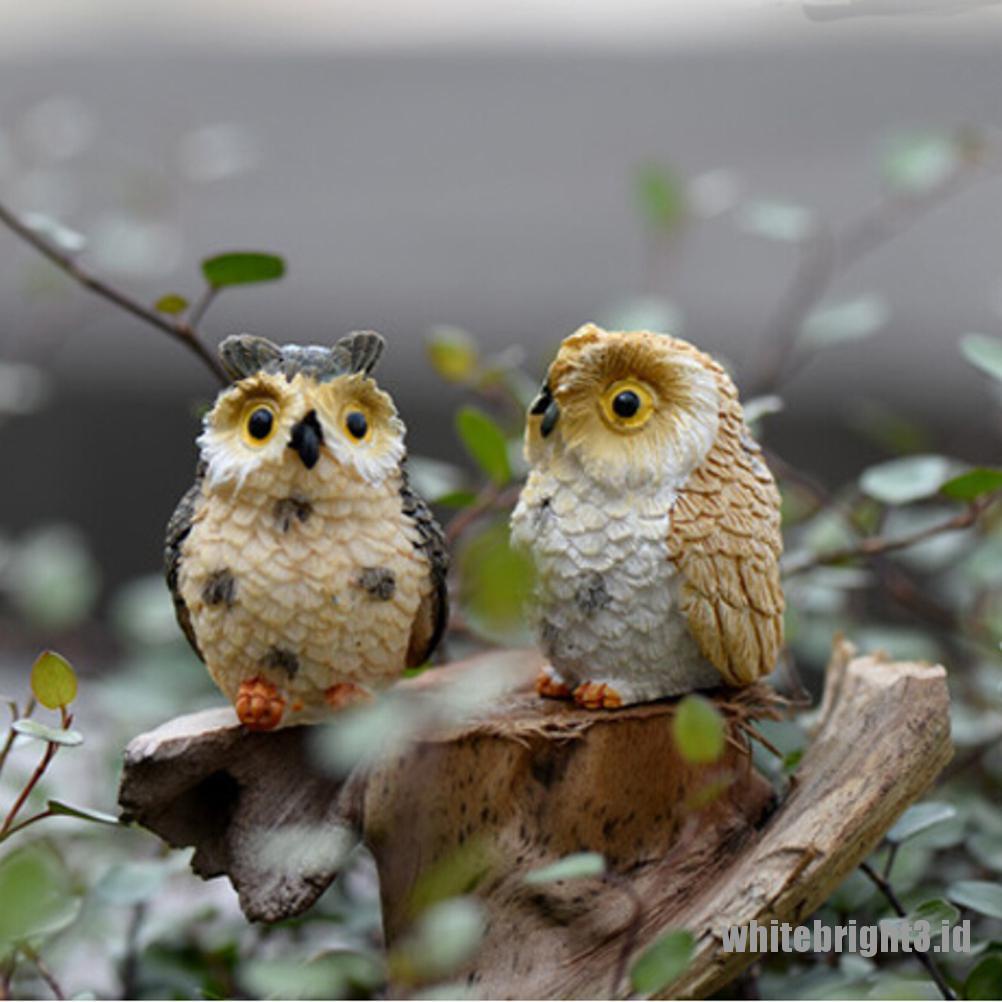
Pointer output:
x,y
420,164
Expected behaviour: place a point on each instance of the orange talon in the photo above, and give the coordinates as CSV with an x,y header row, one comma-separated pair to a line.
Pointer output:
x,y
597,696
345,694
259,705
549,688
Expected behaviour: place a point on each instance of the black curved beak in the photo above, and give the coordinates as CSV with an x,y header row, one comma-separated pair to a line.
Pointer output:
x,y
307,437
545,404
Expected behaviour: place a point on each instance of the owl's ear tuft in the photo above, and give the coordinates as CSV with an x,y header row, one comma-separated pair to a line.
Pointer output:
x,y
244,355
358,352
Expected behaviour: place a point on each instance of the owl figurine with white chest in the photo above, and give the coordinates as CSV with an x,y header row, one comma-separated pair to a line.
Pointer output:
x,y
653,523
305,571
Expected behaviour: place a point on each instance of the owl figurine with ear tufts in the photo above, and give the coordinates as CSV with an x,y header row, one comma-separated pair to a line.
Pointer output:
x,y
652,521
304,570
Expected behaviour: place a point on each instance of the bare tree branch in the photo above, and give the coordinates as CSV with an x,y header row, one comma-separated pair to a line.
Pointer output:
x,y
873,546
182,331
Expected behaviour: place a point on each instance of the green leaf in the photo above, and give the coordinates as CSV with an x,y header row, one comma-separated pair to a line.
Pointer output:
x,y
935,911
902,481
982,896
446,936
572,867
698,729
83,813
172,303
777,220
918,818
852,320
456,499
34,889
661,197
53,681
495,584
915,164
132,882
984,352
242,268
985,978
485,442
987,850
33,729
759,407
973,484
453,354
662,962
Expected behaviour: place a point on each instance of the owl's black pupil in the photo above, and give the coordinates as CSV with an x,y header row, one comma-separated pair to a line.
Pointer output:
x,y
259,425
626,404
356,424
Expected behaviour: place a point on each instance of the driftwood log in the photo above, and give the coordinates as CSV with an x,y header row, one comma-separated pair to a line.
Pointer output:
x,y
529,781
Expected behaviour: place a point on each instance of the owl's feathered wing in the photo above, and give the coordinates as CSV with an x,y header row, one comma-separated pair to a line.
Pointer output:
x,y
725,542
433,613
178,529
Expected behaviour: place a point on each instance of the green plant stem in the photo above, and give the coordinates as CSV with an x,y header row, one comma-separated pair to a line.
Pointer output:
x,y
199,309
66,719
887,890
8,824
7,833
181,331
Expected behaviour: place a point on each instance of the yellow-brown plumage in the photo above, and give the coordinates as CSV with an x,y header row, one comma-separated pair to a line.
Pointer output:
x,y
653,522
303,567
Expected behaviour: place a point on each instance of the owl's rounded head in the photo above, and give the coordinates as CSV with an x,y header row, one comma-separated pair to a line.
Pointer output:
x,y
630,407
294,410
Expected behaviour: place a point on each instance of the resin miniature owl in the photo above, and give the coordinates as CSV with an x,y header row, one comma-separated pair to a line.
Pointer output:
x,y
653,523
304,570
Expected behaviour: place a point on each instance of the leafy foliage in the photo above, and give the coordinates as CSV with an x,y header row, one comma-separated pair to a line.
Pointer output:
x,y
880,556
245,268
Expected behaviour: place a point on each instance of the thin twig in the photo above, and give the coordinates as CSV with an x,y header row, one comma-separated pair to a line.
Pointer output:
x,y
50,751
887,890
181,331
489,499
12,734
40,816
877,545
130,962
198,311
47,976
830,254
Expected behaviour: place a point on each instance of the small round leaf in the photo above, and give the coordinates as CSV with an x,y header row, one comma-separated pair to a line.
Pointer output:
x,y
53,681
918,818
985,979
983,352
452,353
54,735
982,896
485,442
572,867
242,268
902,481
698,729
973,484
662,962
171,304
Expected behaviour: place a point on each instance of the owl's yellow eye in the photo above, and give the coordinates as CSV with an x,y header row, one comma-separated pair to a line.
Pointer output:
x,y
627,405
258,424
356,424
